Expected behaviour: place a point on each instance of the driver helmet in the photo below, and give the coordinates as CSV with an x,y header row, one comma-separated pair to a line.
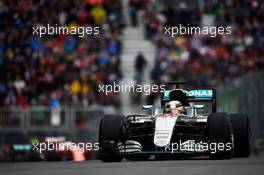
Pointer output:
x,y
174,107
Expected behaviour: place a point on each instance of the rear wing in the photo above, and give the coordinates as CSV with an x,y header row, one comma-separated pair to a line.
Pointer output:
x,y
193,95
203,95
200,93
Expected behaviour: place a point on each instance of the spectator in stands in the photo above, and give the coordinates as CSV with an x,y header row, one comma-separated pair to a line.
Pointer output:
x,y
140,65
133,12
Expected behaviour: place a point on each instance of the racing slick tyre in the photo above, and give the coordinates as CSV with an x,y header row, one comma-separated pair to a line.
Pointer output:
x,y
219,133
110,133
241,130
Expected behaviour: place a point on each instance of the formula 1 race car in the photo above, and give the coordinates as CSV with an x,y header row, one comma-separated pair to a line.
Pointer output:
x,y
186,124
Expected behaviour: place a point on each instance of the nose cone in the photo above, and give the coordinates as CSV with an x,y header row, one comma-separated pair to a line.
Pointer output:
x,y
164,126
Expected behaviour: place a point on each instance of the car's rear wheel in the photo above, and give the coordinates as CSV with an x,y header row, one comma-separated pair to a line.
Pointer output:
x,y
110,134
219,133
241,130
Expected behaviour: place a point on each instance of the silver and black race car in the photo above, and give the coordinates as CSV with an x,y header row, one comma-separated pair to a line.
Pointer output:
x,y
186,124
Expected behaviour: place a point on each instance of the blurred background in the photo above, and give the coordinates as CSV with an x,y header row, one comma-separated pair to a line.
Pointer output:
x,y
49,85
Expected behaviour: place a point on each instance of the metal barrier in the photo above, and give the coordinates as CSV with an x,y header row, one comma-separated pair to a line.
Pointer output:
x,y
77,123
245,95
11,118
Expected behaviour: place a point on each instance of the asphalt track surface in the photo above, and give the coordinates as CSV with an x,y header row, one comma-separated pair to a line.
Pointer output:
x,y
250,166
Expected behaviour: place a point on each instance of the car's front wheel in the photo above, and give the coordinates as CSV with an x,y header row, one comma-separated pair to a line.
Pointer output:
x,y
241,130
110,134
219,135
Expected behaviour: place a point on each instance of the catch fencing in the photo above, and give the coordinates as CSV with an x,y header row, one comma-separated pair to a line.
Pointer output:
x,y
245,95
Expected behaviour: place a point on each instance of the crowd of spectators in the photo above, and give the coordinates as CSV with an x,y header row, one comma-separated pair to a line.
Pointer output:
x,y
58,70
202,60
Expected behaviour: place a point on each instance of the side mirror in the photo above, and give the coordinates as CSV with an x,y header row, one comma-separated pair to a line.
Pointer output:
x,y
147,106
